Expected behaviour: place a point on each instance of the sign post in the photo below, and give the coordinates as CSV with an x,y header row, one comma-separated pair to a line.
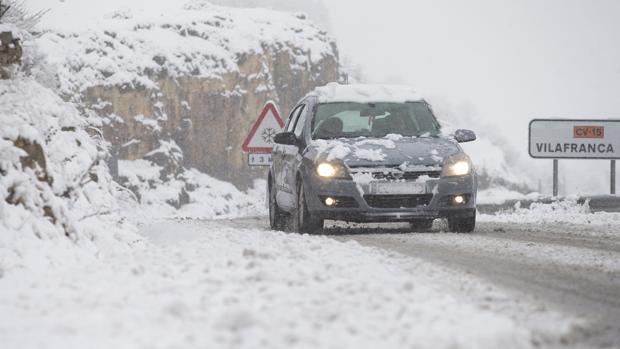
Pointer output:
x,y
575,139
555,177
259,142
613,177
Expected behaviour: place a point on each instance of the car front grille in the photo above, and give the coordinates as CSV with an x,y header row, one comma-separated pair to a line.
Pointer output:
x,y
398,201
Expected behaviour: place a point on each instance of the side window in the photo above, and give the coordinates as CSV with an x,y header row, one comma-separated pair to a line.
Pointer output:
x,y
290,124
301,121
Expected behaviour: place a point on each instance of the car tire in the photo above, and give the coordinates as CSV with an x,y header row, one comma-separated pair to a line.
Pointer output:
x,y
303,221
421,224
462,224
277,217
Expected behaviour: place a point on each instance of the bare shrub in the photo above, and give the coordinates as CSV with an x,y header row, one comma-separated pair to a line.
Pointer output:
x,y
15,12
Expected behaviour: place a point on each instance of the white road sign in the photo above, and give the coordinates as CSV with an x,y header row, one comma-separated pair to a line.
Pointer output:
x,y
259,159
574,139
268,124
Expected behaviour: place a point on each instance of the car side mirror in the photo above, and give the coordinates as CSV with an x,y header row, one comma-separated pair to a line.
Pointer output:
x,y
463,136
286,138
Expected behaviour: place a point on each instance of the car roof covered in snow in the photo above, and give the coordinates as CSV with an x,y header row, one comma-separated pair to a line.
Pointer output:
x,y
364,93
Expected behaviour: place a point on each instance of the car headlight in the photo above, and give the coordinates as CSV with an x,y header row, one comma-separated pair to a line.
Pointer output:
x,y
457,165
331,170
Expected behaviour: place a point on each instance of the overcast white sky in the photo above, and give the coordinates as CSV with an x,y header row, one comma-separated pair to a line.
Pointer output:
x,y
512,60
507,61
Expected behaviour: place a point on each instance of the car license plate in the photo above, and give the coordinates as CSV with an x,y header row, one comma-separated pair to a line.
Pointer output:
x,y
397,188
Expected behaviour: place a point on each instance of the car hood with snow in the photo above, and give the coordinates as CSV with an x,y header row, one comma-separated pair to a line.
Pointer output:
x,y
393,150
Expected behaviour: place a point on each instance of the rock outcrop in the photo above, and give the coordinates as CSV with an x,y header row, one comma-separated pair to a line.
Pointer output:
x,y
207,118
199,83
10,53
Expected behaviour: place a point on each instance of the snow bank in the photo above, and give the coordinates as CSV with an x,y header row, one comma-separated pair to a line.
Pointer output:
x,y
55,188
564,211
140,41
365,93
195,194
498,195
210,285
215,199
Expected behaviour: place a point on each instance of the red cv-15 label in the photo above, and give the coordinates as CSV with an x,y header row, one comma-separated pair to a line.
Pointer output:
x,y
589,132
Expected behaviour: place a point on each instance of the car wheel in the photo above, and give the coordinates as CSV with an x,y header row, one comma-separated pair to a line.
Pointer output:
x,y
304,221
277,217
462,224
421,224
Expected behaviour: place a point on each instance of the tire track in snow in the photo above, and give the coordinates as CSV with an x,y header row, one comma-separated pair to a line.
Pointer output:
x,y
564,267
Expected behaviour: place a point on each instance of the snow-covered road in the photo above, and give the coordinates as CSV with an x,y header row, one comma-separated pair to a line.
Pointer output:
x,y
235,284
572,268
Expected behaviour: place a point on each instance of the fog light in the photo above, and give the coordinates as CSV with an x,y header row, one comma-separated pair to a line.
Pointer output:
x,y
458,199
330,201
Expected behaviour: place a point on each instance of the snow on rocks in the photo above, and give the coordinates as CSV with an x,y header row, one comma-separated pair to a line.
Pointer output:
x,y
55,189
207,284
205,196
140,41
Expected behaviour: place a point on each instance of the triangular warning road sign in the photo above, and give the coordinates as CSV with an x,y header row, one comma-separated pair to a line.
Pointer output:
x,y
268,124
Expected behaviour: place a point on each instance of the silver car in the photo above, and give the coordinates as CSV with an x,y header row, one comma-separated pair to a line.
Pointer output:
x,y
366,153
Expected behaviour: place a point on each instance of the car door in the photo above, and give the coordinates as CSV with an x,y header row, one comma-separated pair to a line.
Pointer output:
x,y
279,158
293,154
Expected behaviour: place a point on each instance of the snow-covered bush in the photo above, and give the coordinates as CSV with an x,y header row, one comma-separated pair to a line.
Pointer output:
x,y
16,13
54,183
56,192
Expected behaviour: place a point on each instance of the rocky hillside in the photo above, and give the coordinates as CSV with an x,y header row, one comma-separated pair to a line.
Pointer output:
x,y
183,89
56,190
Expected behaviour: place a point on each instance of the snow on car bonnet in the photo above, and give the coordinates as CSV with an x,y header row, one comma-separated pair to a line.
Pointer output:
x,y
336,149
362,93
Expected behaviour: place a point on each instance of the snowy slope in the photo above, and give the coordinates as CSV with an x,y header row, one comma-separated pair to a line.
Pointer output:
x,y
55,189
315,9
205,197
133,43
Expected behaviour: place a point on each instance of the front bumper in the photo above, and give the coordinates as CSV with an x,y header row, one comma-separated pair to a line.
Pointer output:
x,y
359,205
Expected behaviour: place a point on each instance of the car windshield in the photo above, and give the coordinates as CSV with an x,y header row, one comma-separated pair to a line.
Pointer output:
x,y
351,120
